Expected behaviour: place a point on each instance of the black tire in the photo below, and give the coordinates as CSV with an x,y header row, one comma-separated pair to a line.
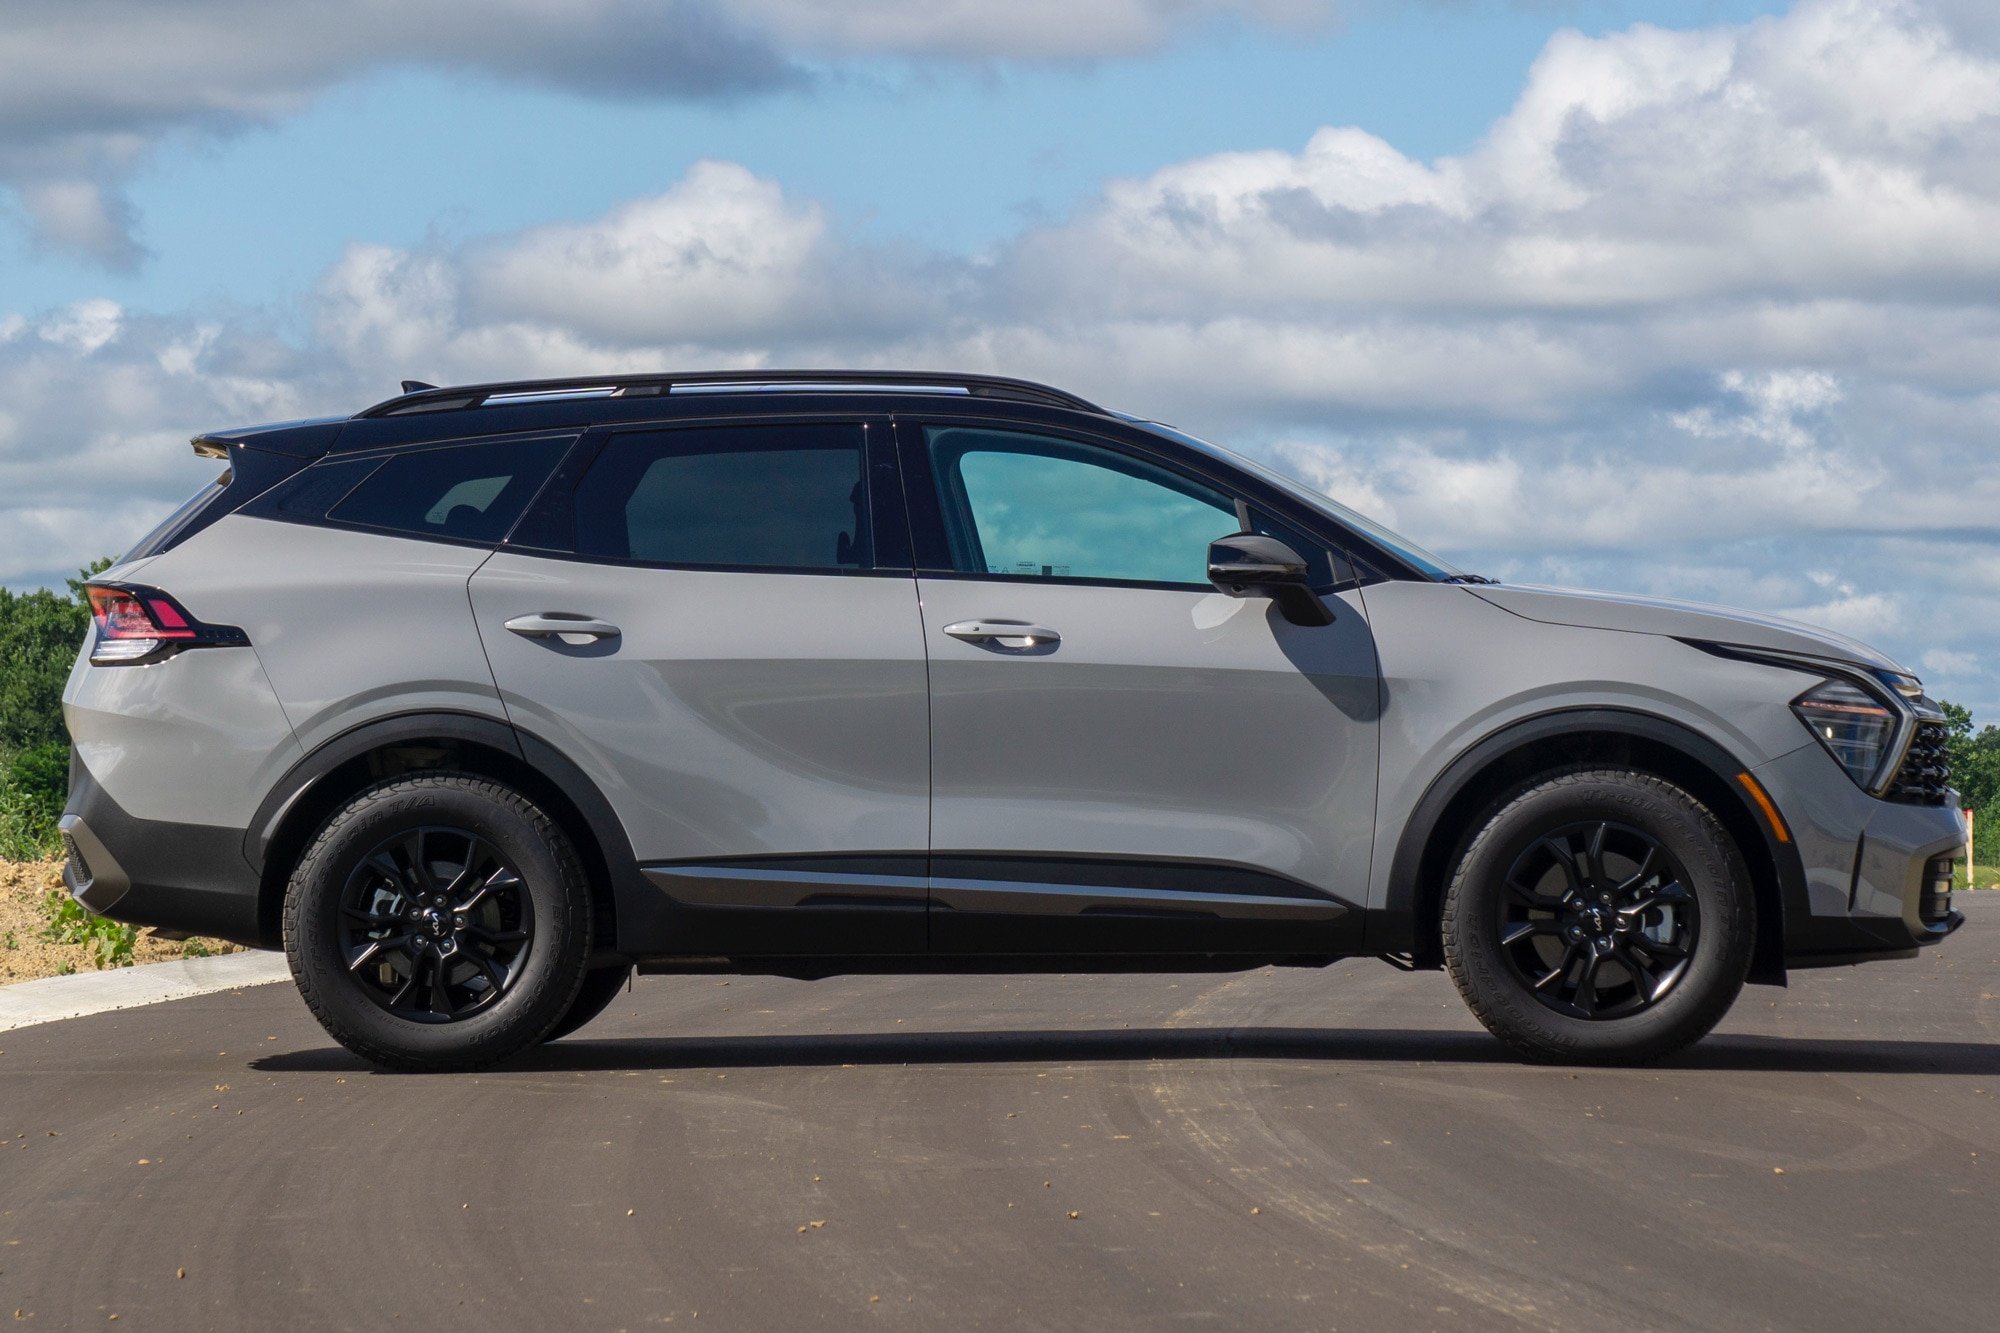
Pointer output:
x,y
601,986
438,922
1617,956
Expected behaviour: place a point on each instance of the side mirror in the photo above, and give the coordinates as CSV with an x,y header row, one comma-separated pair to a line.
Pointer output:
x,y
1249,564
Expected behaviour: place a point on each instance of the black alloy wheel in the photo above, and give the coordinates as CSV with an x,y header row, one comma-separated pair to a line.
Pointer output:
x,y
439,921
1597,921
435,924
1599,916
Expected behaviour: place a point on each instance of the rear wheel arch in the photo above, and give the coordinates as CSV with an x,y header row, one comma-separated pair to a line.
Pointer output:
x,y
1452,810
319,785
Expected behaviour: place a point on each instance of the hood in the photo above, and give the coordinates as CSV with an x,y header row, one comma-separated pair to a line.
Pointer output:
x,y
1680,620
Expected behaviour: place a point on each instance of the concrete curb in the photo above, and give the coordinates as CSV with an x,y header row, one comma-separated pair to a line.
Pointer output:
x,y
52,999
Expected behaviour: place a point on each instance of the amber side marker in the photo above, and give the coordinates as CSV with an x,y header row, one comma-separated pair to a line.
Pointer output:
x,y
1763,801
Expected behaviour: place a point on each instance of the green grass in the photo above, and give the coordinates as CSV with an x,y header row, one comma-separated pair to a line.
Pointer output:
x,y
1983,877
34,784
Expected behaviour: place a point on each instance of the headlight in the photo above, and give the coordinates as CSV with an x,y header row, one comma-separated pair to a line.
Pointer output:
x,y
1856,728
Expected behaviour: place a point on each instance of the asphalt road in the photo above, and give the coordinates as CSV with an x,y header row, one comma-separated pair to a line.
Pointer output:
x,y
1275,1150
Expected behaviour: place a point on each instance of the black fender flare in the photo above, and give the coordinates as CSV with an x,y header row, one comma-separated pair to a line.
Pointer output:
x,y
1779,906
638,906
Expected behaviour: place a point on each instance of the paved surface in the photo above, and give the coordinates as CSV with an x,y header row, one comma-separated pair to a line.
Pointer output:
x,y
1273,1151
52,998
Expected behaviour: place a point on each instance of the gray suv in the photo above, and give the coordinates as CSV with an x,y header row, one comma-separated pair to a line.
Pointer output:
x,y
481,698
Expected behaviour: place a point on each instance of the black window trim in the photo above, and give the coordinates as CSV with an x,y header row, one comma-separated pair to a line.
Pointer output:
x,y
883,490
929,541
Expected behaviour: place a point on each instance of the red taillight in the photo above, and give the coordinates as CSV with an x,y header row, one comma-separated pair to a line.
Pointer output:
x,y
120,615
168,618
142,624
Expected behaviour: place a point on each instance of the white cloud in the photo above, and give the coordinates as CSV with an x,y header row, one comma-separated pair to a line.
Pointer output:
x,y
1021,29
719,258
85,326
82,217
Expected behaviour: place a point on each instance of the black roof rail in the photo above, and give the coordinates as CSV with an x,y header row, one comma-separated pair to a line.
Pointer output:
x,y
429,399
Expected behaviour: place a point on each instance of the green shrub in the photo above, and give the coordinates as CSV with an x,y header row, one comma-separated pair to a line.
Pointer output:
x,y
34,785
26,832
70,923
40,633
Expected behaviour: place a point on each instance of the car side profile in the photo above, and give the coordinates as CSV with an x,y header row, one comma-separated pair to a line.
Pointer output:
x,y
479,699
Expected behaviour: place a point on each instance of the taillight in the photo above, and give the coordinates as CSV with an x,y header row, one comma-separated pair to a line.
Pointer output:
x,y
137,625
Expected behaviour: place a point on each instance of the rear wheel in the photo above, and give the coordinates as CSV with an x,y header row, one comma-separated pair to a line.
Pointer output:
x,y
438,922
1599,916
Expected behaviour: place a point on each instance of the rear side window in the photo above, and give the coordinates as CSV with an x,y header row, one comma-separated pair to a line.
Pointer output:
x,y
790,496
470,492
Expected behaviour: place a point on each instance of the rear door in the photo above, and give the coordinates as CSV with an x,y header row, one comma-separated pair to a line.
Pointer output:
x,y
1147,765
721,629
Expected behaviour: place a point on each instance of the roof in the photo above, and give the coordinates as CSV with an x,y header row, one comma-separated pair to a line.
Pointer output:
x,y
460,397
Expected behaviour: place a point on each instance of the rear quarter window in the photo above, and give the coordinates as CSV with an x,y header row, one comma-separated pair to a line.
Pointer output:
x,y
469,492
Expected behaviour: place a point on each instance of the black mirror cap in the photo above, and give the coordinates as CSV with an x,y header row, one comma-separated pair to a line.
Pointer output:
x,y
1250,564
1244,561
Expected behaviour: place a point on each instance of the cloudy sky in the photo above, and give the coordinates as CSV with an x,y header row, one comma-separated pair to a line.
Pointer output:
x,y
1698,298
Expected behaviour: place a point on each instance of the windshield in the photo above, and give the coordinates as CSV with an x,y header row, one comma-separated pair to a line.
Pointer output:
x,y
1402,547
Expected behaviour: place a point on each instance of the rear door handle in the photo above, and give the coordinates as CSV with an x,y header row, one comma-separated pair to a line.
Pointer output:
x,y
1003,633
571,629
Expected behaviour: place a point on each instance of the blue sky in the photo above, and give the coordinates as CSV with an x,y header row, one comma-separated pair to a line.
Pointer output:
x,y
1696,299
956,154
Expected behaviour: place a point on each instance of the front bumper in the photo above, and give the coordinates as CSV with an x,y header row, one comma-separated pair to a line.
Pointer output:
x,y
1878,873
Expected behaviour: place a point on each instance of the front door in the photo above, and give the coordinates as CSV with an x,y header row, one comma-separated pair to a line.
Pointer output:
x,y
1122,758
730,654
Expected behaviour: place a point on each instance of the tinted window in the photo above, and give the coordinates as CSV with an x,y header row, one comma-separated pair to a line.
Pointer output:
x,y
322,486
1041,507
472,492
787,497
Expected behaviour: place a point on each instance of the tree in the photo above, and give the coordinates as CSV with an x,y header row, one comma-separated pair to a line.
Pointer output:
x,y
1975,771
1975,758
40,633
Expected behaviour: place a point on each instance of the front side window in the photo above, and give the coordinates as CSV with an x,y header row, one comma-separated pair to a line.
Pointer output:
x,y
764,496
470,492
1041,507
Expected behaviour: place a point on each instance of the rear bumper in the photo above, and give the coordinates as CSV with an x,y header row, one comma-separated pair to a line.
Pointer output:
x,y
147,872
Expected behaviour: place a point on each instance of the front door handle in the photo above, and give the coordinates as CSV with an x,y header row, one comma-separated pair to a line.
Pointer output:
x,y
572,629
1004,633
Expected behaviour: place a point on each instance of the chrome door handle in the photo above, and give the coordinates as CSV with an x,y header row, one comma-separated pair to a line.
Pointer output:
x,y
1006,633
571,629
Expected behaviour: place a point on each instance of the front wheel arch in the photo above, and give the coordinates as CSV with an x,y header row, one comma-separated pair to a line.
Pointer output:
x,y
1453,810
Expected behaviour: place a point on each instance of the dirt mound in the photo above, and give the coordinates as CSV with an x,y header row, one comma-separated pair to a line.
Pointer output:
x,y
25,953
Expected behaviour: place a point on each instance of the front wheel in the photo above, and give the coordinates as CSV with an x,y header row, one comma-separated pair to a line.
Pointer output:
x,y
437,922
601,986
1600,916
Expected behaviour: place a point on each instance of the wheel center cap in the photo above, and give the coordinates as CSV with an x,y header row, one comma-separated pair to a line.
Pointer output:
x,y
437,923
1599,919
